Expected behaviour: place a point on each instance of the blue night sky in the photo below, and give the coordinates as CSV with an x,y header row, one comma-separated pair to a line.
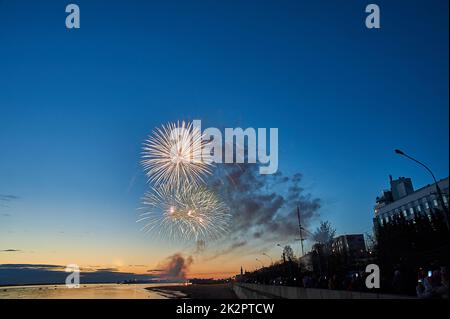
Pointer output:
x,y
76,105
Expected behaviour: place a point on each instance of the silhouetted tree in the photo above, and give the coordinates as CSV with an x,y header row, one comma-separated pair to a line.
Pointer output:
x,y
288,253
324,234
409,244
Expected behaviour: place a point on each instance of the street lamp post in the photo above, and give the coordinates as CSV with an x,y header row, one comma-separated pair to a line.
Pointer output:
x,y
438,189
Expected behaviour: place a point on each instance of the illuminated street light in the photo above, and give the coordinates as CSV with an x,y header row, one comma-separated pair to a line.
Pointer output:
x,y
438,189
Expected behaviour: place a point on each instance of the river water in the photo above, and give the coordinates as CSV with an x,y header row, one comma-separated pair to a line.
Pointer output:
x,y
87,291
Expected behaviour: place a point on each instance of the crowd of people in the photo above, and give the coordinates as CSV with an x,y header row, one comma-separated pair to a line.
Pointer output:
x,y
352,281
431,284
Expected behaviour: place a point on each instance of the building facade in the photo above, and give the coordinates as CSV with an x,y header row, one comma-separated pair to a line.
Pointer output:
x,y
350,250
403,199
349,245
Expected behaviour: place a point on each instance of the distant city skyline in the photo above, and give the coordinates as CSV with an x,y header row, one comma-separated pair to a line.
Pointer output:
x,y
77,105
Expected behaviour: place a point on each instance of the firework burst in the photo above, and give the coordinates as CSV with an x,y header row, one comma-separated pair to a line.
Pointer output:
x,y
188,213
173,156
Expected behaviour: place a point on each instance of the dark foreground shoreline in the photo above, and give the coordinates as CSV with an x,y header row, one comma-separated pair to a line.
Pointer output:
x,y
196,291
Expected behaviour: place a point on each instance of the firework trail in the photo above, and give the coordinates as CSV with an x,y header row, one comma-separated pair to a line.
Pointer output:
x,y
173,156
188,213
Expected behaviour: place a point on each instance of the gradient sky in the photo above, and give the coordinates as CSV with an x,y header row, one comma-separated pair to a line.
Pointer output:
x,y
76,105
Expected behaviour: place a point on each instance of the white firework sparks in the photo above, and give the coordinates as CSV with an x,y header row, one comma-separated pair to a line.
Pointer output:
x,y
188,213
173,156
